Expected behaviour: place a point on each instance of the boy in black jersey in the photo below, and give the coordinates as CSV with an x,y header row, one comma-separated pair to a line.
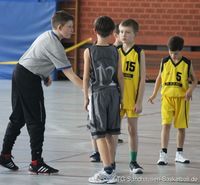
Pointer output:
x,y
103,75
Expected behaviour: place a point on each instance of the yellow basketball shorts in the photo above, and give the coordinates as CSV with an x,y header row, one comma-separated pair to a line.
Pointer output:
x,y
128,113
175,110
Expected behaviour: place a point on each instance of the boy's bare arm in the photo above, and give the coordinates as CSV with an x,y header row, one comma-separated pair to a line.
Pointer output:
x,y
69,73
156,89
142,83
86,78
120,79
193,85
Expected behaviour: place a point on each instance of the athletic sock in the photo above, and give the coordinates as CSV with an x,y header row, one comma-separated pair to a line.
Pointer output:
x,y
34,162
133,155
179,149
164,150
113,165
108,169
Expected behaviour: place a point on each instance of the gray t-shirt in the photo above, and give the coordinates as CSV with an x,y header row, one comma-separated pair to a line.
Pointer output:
x,y
44,55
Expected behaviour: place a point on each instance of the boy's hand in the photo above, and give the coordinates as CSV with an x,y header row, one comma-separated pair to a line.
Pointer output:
x,y
151,98
47,81
138,108
85,104
188,95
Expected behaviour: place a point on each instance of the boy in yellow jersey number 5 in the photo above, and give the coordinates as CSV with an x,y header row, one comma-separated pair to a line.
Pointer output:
x,y
175,73
133,68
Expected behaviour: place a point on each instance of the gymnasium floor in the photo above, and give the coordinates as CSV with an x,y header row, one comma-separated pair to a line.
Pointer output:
x,y
67,143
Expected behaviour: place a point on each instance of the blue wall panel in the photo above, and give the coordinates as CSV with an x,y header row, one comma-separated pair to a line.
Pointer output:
x,y
21,21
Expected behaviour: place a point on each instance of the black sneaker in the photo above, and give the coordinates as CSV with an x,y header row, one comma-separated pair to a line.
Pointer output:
x,y
135,168
7,162
120,141
95,157
42,168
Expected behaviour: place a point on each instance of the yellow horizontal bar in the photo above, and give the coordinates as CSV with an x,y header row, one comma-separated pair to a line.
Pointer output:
x,y
9,63
78,45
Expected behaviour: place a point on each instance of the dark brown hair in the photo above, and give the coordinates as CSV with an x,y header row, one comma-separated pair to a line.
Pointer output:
x,y
131,23
104,26
175,43
60,17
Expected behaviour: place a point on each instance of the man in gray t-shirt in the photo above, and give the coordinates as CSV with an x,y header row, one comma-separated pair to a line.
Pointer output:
x,y
44,55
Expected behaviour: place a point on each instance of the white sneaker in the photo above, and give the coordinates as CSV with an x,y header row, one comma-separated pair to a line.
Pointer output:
x,y
180,159
163,158
102,177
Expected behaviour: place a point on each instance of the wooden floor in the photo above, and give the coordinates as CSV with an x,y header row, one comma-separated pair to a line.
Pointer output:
x,y
67,143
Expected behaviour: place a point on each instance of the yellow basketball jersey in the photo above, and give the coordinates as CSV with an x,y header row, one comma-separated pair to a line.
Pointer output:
x,y
131,71
175,77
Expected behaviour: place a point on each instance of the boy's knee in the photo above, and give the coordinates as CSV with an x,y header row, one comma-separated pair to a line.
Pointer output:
x,y
132,130
181,130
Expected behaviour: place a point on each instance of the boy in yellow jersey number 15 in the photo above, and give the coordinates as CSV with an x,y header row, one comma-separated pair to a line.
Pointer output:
x,y
133,68
175,73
